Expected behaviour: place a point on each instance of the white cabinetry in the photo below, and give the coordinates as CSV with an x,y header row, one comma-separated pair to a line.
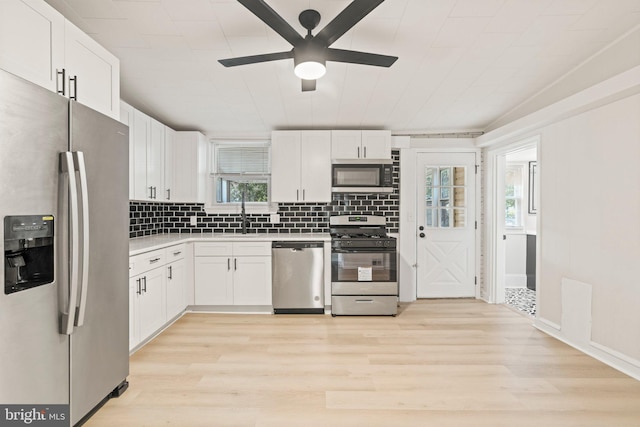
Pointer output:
x,y
169,156
164,165
301,166
93,73
38,44
176,280
157,291
32,41
186,167
147,291
148,157
126,117
155,160
360,145
232,273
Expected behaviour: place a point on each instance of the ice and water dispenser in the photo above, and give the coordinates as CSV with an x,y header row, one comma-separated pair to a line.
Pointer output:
x,y
28,252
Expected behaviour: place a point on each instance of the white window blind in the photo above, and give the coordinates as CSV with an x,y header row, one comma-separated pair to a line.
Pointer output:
x,y
242,159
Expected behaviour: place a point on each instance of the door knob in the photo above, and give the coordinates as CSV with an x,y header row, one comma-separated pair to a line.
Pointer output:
x,y
421,235
421,228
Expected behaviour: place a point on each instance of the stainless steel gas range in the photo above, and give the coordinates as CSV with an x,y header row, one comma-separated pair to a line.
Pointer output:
x,y
363,266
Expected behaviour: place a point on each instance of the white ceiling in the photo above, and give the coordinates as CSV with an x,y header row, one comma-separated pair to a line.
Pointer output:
x,y
462,63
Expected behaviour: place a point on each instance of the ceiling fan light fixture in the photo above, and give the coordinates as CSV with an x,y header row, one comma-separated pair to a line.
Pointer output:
x,y
310,70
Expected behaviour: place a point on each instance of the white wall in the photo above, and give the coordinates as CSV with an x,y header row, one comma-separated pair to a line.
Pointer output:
x,y
590,228
588,270
516,261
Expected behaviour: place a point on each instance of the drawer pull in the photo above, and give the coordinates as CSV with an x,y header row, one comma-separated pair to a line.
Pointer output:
x,y
152,261
177,253
364,301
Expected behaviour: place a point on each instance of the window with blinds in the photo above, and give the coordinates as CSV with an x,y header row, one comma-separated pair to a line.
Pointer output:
x,y
242,170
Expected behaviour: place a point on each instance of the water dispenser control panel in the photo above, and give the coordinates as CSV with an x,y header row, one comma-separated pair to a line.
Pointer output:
x,y
28,252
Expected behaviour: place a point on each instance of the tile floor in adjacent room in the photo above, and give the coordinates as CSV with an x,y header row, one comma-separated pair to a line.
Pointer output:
x,y
522,299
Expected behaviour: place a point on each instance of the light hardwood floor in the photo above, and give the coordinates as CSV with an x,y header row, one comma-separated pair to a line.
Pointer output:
x,y
438,363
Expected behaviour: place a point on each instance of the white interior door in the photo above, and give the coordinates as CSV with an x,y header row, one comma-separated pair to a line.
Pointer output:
x,y
446,225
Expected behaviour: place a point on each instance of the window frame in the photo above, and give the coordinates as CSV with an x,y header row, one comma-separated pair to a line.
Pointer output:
x,y
212,205
518,199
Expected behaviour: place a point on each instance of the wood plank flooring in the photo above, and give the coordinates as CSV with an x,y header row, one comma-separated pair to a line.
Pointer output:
x,y
438,363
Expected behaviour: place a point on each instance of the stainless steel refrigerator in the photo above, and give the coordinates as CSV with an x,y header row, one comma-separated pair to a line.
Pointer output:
x,y
64,208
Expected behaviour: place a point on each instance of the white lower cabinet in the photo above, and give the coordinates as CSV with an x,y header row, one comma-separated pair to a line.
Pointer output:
x,y
232,273
176,275
152,313
147,301
157,288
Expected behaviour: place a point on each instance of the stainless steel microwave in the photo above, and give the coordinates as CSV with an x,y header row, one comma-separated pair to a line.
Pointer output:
x,y
362,177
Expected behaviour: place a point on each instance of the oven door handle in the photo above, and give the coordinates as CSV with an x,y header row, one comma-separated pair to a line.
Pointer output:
x,y
363,251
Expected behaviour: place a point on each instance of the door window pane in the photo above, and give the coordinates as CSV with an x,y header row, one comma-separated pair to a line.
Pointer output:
x,y
445,189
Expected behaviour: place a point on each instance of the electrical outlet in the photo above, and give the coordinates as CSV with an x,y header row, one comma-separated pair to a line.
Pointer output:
x,y
275,218
194,221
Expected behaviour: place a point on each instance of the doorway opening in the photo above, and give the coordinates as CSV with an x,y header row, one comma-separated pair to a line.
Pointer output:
x,y
520,230
513,237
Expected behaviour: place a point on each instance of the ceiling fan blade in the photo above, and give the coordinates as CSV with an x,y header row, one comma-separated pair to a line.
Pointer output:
x,y
308,85
346,19
273,20
253,59
355,57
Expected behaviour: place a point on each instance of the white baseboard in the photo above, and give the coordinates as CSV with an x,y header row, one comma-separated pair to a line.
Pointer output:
x,y
515,280
616,360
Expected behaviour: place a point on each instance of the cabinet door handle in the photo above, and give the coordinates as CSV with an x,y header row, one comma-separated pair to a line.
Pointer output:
x,y
365,152
304,196
170,272
358,152
73,79
151,192
64,81
139,286
145,284
228,264
297,194
168,194
235,264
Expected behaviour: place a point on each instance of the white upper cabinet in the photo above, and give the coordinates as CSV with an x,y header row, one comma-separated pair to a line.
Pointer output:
x,y
187,167
164,165
32,42
376,144
300,166
361,145
148,157
140,139
169,155
92,72
285,166
126,117
346,144
38,44
155,161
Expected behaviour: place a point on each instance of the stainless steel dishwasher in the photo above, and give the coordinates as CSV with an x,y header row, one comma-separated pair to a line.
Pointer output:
x,y
298,277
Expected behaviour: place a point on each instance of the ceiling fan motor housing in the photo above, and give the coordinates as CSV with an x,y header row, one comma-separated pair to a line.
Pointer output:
x,y
309,19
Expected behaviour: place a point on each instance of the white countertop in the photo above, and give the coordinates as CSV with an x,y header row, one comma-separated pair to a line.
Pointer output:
x,y
140,245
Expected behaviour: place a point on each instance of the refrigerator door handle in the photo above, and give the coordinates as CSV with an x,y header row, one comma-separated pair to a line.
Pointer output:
x,y
84,236
67,167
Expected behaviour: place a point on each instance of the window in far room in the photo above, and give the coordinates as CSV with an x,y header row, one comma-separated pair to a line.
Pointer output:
x,y
514,191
